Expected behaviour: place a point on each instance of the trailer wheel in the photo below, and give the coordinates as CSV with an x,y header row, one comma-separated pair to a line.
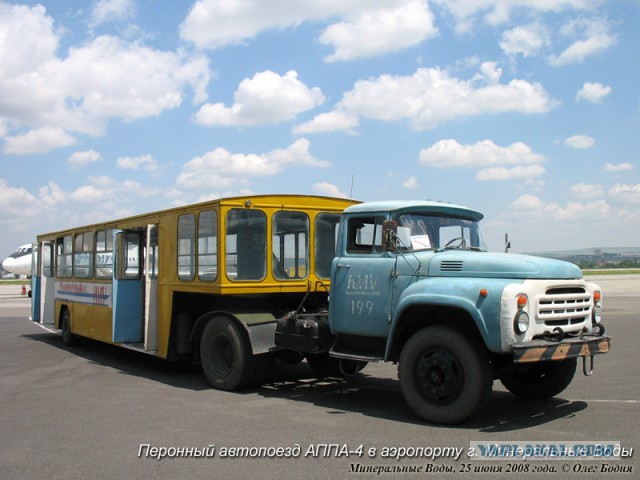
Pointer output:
x,y
540,381
69,338
225,352
444,376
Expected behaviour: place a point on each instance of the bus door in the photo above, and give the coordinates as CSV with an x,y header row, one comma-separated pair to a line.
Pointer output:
x,y
43,285
35,284
128,287
151,290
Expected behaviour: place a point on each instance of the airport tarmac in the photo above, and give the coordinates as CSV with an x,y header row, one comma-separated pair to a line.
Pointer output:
x,y
97,411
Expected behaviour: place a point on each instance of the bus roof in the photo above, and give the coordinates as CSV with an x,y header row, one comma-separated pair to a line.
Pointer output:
x,y
303,202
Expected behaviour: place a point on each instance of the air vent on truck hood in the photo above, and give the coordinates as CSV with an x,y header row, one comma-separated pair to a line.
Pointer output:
x,y
451,266
468,263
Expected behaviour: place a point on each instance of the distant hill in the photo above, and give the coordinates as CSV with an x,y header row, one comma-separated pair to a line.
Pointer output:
x,y
601,257
589,251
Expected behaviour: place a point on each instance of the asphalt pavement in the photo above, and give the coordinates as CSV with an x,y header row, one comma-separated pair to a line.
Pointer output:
x,y
97,411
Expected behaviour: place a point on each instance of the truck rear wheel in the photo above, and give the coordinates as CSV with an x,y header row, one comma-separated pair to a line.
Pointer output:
x,y
226,355
541,380
444,376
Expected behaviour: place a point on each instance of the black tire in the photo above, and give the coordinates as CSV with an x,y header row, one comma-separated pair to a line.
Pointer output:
x,y
540,381
444,376
226,355
69,338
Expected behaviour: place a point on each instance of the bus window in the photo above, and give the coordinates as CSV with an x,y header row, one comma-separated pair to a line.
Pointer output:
x,y
64,248
208,245
246,244
82,255
290,245
326,236
186,246
104,254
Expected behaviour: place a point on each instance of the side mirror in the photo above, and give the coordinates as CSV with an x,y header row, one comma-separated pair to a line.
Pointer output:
x,y
389,236
395,238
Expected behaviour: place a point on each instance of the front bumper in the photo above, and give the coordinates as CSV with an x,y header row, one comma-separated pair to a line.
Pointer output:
x,y
549,350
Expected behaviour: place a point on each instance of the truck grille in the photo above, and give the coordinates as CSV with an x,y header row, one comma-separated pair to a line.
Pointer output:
x,y
561,307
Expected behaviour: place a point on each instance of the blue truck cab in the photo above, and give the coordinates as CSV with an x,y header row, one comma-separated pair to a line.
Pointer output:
x,y
412,282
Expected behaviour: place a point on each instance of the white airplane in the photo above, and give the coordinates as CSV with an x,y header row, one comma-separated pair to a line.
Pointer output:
x,y
19,262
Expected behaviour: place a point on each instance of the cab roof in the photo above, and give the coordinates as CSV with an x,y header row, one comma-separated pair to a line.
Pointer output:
x,y
428,206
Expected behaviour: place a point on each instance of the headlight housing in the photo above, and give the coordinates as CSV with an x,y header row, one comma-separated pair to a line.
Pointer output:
x,y
521,321
596,312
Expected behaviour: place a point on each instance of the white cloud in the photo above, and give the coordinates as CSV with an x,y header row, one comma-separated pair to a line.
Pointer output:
x,y
527,40
451,154
431,96
103,189
112,10
51,194
595,38
504,173
621,167
624,193
28,40
527,202
411,183
144,162
102,79
15,201
223,169
593,92
586,191
573,211
580,141
328,189
358,29
375,32
328,122
78,160
267,98
37,141
500,11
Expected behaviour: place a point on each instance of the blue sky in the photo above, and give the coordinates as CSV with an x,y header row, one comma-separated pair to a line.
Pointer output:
x,y
527,110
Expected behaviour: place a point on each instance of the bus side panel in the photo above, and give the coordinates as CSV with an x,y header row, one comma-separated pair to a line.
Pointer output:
x,y
93,322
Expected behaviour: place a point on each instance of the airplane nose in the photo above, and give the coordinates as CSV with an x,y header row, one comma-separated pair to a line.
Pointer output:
x,y
6,263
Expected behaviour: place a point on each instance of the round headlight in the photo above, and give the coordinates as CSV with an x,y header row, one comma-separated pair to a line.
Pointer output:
x,y
596,316
521,323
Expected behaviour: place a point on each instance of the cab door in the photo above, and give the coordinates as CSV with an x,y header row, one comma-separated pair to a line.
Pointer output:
x,y
362,280
128,287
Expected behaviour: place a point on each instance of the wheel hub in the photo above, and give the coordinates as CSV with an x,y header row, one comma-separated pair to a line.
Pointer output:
x,y
439,377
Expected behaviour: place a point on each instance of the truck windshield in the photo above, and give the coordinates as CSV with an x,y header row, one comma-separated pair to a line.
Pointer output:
x,y
433,232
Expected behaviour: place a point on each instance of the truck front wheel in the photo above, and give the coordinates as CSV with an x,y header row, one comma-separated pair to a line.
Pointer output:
x,y
444,376
541,380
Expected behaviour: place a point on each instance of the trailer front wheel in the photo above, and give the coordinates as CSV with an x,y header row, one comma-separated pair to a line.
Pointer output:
x,y
444,376
226,355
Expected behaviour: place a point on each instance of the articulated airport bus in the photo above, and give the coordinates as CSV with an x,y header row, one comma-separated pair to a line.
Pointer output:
x,y
152,282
